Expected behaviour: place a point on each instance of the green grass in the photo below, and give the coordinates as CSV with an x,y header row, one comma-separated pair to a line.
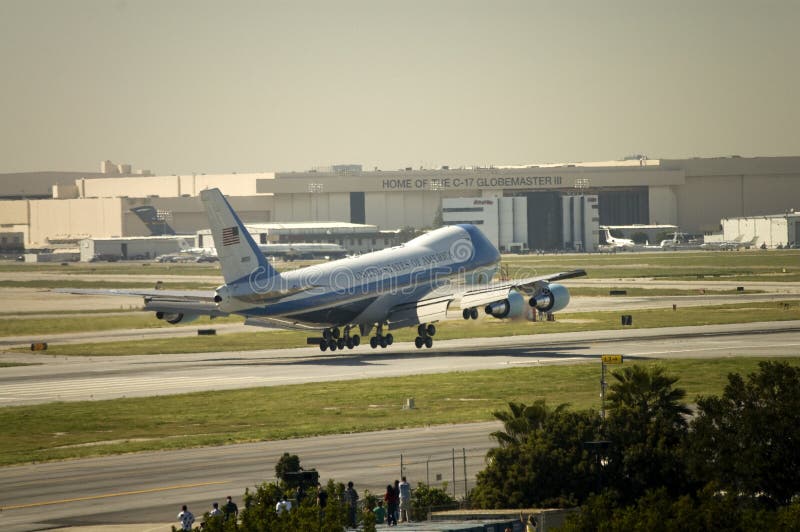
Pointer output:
x,y
72,323
484,328
72,430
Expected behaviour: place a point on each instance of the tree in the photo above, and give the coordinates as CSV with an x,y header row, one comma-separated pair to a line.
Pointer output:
x,y
547,466
646,425
748,440
425,498
288,463
520,420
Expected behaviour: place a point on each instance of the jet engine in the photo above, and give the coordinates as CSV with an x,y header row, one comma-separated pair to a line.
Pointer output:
x,y
176,317
511,307
550,298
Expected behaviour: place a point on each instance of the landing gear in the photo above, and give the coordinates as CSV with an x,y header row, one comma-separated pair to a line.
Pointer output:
x,y
469,313
333,339
425,333
380,340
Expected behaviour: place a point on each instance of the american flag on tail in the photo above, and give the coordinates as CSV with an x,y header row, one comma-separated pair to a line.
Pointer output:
x,y
230,236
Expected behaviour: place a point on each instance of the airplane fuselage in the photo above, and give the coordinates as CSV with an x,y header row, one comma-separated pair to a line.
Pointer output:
x,y
363,289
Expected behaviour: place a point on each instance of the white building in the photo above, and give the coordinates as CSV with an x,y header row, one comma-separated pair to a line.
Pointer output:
x,y
771,230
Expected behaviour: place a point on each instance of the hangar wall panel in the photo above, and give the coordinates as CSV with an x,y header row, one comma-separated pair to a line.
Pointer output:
x,y
703,202
137,187
14,212
663,205
73,219
771,194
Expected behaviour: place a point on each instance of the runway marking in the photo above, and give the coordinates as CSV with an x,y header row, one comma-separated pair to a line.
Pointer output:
x,y
110,495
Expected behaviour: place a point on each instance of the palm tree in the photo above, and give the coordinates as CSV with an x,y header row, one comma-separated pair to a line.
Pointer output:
x,y
649,394
521,420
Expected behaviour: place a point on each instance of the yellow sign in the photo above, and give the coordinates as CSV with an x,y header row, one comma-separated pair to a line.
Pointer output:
x,y
611,359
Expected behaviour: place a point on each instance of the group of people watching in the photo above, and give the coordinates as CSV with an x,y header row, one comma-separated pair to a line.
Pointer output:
x,y
397,501
228,511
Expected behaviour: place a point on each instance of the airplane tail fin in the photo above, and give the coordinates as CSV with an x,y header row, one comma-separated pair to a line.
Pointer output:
x,y
238,253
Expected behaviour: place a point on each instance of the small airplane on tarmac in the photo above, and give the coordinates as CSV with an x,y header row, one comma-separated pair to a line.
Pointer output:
x,y
409,285
730,245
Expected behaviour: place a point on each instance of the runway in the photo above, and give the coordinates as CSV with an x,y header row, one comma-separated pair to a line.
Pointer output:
x,y
97,378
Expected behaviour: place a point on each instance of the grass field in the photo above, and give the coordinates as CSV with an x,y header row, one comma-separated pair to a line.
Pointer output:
x,y
71,430
483,328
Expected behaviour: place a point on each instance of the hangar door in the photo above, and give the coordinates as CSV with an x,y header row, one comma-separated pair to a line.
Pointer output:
x,y
624,207
544,220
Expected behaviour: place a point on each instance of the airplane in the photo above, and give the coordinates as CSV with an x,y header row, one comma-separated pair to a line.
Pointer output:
x,y
614,243
413,284
290,251
730,245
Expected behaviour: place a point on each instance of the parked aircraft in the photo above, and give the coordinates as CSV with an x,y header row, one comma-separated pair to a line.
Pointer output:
x,y
409,285
293,251
730,245
615,243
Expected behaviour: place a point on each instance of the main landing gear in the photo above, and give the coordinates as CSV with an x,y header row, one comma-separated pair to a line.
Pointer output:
x,y
380,340
470,313
425,335
334,339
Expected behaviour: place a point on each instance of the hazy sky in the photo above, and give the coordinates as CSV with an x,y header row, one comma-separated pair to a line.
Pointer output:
x,y
213,86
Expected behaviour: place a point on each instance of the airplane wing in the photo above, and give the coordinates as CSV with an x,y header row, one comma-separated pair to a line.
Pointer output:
x,y
422,311
490,293
184,302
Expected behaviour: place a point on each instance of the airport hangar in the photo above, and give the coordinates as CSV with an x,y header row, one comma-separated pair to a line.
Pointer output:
x,y
694,194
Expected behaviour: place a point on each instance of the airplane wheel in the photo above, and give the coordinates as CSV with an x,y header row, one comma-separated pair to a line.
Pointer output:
x,y
389,339
373,342
340,343
428,341
356,340
418,341
349,343
326,334
335,332
323,346
383,342
421,329
332,346
465,313
473,313
431,329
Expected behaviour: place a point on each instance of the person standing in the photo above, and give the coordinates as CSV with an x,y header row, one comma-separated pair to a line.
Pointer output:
x,y
283,505
405,501
390,497
351,500
230,509
186,518
215,511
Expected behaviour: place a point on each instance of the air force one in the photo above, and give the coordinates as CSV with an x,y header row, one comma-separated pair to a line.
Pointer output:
x,y
412,285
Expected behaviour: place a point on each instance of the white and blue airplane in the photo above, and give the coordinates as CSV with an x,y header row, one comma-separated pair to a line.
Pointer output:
x,y
409,285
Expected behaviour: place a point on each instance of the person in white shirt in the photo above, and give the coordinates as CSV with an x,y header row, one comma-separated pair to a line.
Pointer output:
x,y
283,505
186,518
405,501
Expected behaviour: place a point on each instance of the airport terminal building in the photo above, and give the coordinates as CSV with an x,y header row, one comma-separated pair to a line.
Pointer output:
x,y
693,194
